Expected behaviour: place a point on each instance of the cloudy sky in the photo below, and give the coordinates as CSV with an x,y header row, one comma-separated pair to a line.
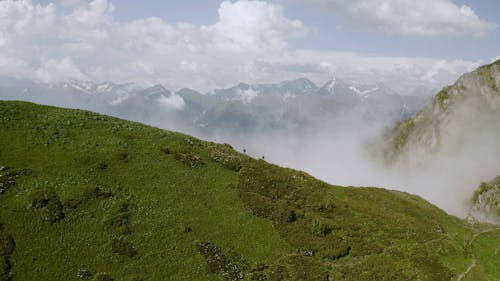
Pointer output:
x,y
213,44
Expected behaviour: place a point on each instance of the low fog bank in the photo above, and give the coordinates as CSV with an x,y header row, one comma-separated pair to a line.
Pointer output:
x,y
340,151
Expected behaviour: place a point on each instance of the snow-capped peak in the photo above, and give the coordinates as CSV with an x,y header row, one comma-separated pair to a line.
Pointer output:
x,y
105,87
363,93
248,95
330,86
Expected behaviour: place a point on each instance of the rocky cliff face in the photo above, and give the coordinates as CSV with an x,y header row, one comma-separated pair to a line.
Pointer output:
x,y
486,201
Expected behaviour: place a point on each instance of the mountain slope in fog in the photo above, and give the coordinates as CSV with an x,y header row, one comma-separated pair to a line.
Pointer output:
x,y
459,127
92,197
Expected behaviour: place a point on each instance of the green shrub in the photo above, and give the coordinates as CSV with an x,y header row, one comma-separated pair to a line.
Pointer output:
x,y
226,156
39,199
320,229
102,276
189,159
122,247
123,155
50,202
218,262
91,193
101,166
7,180
290,216
166,150
84,273
7,246
119,219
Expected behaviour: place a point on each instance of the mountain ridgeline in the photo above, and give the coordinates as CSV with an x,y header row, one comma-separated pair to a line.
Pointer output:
x,y
240,110
85,196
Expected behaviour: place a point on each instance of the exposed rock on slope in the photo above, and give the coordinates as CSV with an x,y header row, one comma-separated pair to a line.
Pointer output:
x,y
486,201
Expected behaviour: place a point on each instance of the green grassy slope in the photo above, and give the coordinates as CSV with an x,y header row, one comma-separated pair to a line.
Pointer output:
x,y
90,197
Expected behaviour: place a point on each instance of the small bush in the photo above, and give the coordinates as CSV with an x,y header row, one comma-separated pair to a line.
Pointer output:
x,y
54,211
101,166
91,193
219,263
290,216
324,207
50,202
95,192
123,155
102,276
39,199
123,247
320,229
6,181
166,150
226,156
7,247
189,159
120,219
187,229
84,273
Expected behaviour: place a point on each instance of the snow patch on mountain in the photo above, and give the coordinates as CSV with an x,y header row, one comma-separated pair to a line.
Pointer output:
x,y
248,95
330,86
363,93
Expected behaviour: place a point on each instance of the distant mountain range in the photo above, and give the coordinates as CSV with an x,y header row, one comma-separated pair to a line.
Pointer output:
x,y
240,109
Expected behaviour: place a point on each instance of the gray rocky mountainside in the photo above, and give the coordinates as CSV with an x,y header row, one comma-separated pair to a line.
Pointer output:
x,y
486,201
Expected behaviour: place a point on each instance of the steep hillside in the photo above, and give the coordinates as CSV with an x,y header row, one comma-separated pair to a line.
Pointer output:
x,y
458,131
457,114
89,197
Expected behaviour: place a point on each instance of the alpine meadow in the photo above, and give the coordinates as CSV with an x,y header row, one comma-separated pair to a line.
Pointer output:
x,y
280,140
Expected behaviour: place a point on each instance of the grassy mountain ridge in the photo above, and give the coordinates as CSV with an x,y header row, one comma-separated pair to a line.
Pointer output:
x,y
87,196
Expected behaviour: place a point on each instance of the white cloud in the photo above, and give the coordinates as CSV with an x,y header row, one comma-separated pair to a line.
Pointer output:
x,y
253,25
173,101
248,43
21,20
420,18
52,70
